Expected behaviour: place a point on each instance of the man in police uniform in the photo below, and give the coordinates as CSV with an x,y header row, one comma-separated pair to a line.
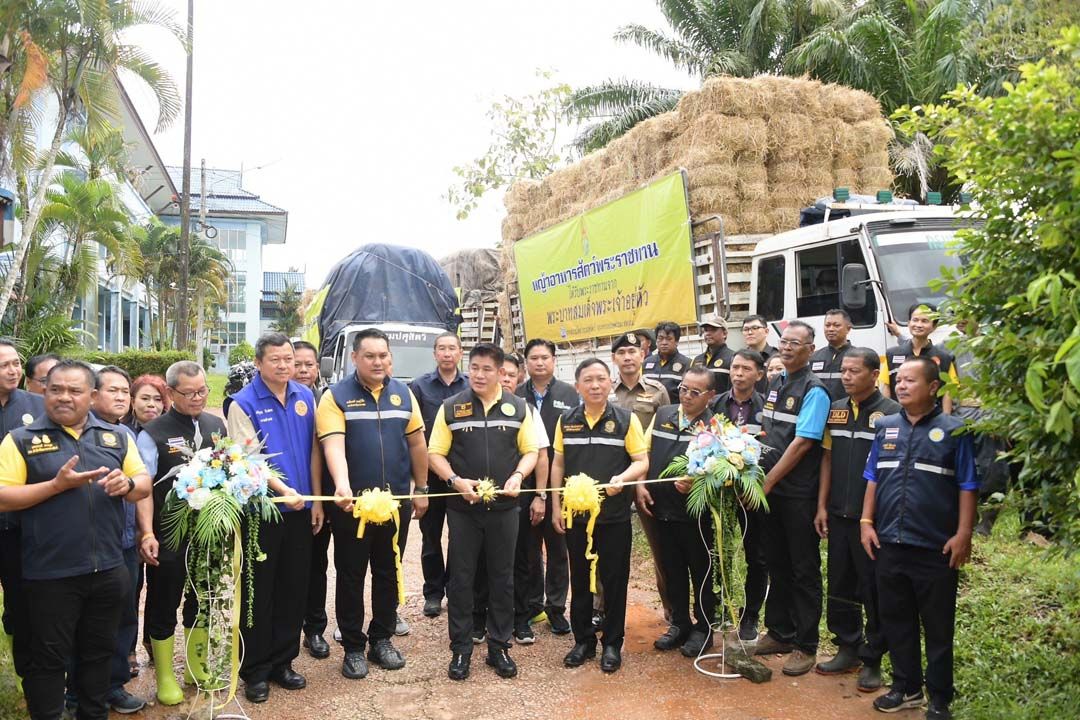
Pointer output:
x,y
605,442
667,364
917,519
68,474
280,412
160,443
372,437
431,391
484,433
743,405
18,408
922,321
717,356
826,362
848,436
796,409
685,544
551,397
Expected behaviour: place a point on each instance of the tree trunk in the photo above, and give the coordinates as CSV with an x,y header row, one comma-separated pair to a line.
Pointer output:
x,y
34,212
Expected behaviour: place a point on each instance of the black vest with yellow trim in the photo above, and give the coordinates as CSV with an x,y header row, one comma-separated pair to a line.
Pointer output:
x,y
21,409
669,442
782,405
376,447
717,360
851,436
79,531
600,453
827,363
670,374
484,445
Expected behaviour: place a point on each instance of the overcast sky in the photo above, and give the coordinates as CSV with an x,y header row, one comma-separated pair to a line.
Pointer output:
x,y
351,115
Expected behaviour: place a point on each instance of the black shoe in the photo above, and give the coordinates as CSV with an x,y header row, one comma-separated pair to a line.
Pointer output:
x,y
523,634
385,655
559,624
748,631
846,660
611,660
317,646
459,667
500,660
478,635
896,700
672,638
869,678
696,643
432,607
355,666
257,692
123,702
938,711
580,654
288,678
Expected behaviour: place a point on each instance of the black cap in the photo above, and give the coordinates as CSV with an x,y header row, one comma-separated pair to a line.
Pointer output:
x,y
630,338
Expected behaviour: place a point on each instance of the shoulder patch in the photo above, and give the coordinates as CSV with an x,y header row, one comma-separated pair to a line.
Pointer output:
x,y
839,417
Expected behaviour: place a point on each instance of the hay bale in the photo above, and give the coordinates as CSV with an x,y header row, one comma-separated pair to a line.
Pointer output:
x,y
726,96
513,227
846,177
690,157
786,172
819,177
797,195
735,134
713,174
517,196
713,199
874,178
798,137
869,136
879,158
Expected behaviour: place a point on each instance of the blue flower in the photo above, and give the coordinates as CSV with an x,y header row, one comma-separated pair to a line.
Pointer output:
x,y
212,477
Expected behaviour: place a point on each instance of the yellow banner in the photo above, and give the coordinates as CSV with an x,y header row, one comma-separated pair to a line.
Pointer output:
x,y
623,266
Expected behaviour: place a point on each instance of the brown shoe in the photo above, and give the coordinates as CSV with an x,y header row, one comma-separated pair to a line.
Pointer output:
x,y
799,663
768,645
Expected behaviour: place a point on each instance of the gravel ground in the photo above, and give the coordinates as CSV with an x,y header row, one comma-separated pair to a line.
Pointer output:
x,y
651,685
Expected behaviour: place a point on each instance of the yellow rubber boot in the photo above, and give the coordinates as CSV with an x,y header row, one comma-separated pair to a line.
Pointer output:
x,y
196,641
168,690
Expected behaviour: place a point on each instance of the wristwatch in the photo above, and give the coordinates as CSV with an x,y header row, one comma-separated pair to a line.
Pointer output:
x,y
131,485
421,490
450,480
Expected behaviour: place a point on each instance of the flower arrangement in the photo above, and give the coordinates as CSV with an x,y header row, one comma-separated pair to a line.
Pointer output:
x,y
722,463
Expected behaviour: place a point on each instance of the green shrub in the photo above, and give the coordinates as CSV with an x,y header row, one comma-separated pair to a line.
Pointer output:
x,y
241,352
137,362
207,358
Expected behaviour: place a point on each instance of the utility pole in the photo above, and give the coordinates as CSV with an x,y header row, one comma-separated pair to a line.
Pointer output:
x,y
182,314
200,330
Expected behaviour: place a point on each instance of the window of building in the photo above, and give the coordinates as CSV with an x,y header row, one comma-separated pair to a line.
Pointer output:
x,y
237,285
233,334
820,269
770,294
233,242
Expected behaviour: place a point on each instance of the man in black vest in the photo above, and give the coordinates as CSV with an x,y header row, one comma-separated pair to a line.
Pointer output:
x,y
922,322
755,332
68,474
605,442
667,364
484,433
160,443
796,409
18,408
685,544
849,434
717,356
743,406
826,362
552,398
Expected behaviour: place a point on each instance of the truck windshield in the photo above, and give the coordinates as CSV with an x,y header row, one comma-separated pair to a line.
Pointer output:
x,y
909,261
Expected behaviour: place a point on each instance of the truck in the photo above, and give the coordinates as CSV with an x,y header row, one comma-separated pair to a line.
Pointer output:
x,y
400,290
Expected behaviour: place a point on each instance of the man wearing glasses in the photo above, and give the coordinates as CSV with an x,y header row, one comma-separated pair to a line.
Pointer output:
x,y
755,334
159,444
37,372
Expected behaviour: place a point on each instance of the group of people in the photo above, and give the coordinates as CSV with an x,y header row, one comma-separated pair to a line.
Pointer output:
x,y
889,483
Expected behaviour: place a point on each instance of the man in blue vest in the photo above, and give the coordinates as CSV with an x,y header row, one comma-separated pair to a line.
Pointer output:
x,y
917,520
18,408
279,412
68,474
667,364
372,436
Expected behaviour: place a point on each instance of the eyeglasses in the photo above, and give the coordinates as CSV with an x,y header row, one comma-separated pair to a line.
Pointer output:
x,y
194,394
41,380
792,343
748,328
692,392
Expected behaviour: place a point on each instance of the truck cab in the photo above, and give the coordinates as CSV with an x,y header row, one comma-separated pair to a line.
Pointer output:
x,y
874,264
411,348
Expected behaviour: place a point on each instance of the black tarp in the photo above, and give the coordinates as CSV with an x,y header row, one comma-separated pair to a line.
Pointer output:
x,y
381,283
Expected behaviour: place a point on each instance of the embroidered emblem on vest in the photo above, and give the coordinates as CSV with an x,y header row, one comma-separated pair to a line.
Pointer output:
x,y
109,440
936,435
395,400
874,417
301,408
463,410
677,367
837,417
789,403
507,409
609,426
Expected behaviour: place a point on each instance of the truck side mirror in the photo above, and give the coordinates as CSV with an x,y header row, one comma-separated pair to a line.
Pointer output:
x,y
853,282
326,367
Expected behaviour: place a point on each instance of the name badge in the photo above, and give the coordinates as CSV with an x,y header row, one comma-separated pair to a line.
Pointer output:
x,y
818,366
898,359
838,417
773,395
559,405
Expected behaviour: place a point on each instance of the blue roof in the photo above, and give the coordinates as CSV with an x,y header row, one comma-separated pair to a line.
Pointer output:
x,y
223,193
275,282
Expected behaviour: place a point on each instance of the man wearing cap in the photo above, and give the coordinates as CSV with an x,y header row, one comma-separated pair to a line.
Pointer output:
x,y
667,364
717,356
648,341
826,363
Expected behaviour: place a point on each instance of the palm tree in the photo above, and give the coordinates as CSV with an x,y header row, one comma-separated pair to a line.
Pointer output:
x,y
82,42
101,153
709,37
209,271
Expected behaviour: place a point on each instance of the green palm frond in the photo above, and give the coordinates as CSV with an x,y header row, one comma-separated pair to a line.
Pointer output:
x,y
600,134
675,51
751,489
676,468
618,96
217,520
174,521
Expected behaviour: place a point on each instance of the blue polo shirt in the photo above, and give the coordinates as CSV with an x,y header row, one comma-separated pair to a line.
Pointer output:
x,y
288,429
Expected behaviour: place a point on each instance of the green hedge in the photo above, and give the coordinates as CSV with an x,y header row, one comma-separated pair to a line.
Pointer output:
x,y
138,362
241,352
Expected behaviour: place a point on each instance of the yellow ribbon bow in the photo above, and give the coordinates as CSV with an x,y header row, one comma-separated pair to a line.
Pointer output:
x,y
582,496
378,506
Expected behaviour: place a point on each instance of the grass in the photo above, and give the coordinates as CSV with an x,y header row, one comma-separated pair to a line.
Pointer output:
x,y
11,700
217,390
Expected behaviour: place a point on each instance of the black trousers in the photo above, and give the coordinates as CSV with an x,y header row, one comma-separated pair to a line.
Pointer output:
x,y
649,526
612,542
73,617
432,562
128,630
526,550
752,524
315,612
274,639
491,534
852,589
352,557
166,584
548,588
685,549
16,617
917,587
793,608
